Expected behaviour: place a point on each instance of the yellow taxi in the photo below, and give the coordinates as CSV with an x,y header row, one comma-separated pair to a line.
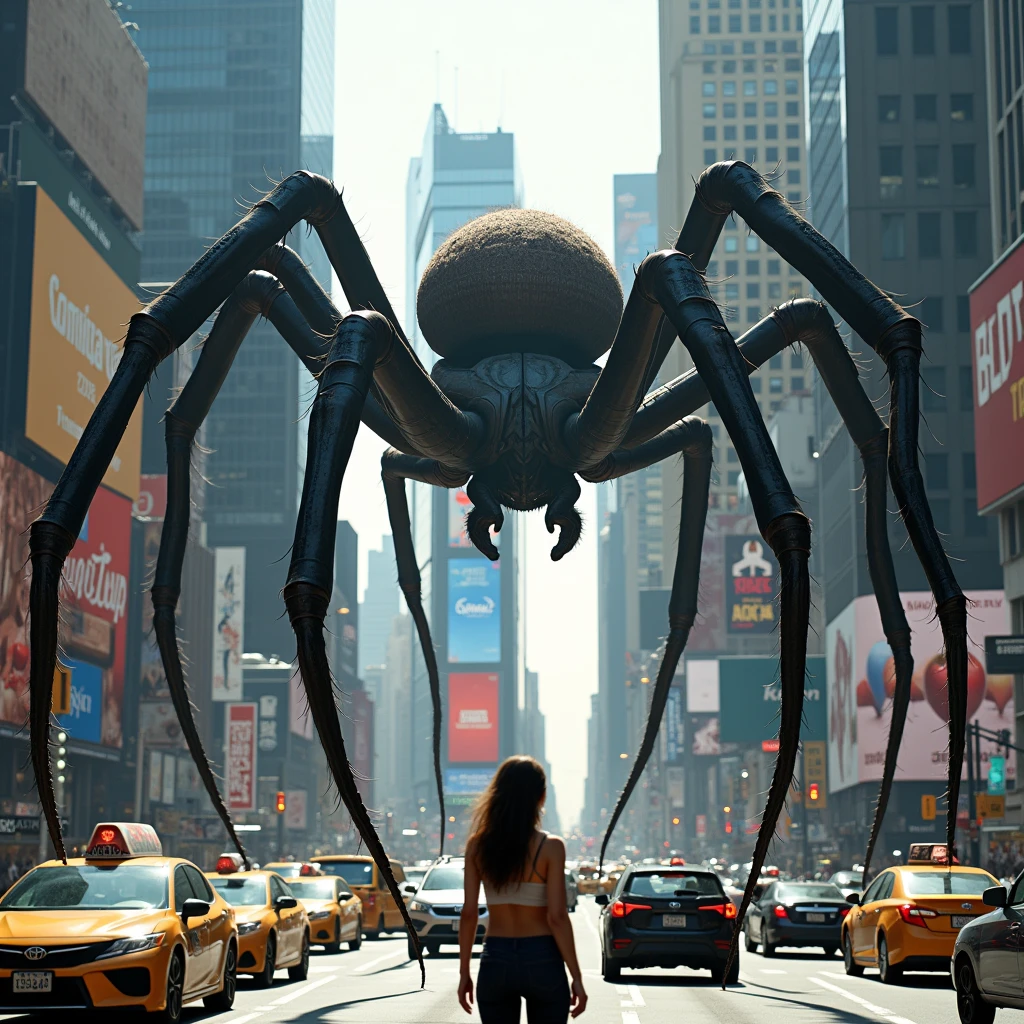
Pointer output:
x,y
380,910
122,926
292,868
909,916
589,880
335,912
273,929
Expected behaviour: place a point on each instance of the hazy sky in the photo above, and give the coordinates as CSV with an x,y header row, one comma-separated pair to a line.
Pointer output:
x,y
577,82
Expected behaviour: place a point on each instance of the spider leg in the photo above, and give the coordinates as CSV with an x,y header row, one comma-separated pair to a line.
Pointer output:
x,y
896,337
691,438
396,468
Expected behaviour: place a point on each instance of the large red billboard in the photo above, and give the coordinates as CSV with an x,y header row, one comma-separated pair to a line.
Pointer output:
x,y
94,599
997,330
473,717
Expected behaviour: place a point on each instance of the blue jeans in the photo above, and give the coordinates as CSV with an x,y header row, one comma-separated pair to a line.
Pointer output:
x,y
515,969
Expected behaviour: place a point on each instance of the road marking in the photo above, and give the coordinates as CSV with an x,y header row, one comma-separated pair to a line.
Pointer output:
x,y
320,969
634,994
770,970
379,960
630,1017
881,1011
299,992
244,1019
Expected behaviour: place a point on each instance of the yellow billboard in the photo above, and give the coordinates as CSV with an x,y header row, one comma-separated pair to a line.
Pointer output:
x,y
79,315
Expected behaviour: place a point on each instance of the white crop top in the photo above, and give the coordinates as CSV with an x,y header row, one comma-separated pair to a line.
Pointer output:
x,y
523,894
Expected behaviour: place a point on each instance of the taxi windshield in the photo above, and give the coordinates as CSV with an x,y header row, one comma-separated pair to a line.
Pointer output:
x,y
312,888
285,870
90,887
242,892
358,872
945,883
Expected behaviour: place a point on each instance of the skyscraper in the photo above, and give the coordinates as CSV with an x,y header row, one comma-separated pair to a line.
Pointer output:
x,y
379,606
241,93
456,178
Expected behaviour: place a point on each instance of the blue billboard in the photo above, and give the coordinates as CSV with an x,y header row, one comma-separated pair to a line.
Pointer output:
x,y
474,611
636,223
85,720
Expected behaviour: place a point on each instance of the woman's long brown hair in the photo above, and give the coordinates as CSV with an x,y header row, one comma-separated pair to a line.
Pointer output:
x,y
505,819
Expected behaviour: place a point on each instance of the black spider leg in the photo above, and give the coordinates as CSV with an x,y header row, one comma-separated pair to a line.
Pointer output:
x,y
896,337
396,468
692,438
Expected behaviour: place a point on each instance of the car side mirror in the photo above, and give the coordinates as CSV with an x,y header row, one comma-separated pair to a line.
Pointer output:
x,y
994,897
853,899
602,899
409,888
285,903
193,908
344,895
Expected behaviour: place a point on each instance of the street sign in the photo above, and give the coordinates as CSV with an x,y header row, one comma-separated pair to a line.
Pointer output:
x,y
997,775
702,825
990,806
1004,655
61,690
927,807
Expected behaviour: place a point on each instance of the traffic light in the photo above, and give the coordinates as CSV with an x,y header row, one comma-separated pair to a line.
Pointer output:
x,y
728,828
279,802
813,793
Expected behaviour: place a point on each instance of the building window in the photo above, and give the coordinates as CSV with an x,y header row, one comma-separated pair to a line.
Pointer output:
x,y
773,21
793,154
926,106
974,524
750,110
792,86
922,31
792,110
771,108
961,106
753,268
731,456
796,384
963,314
933,388
929,312
929,236
729,88
926,159
750,132
775,385
753,243
963,165
707,89
792,63
890,171
771,154
749,88
893,236
755,22
965,233
769,47
792,131
732,244
709,156
695,24
755,384
713,268
959,28
750,155
968,466
732,267
709,67
728,110
735,24
967,397
888,109
936,468
729,134
774,289
753,314
771,131
793,176
796,361
714,24
710,133
733,477
710,110
775,363
753,290
887,31
771,87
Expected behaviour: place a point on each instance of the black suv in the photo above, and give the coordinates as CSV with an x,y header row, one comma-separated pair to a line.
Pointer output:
x,y
667,917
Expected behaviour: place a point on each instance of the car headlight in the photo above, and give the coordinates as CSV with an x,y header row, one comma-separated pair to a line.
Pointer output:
x,y
420,906
319,915
248,927
136,945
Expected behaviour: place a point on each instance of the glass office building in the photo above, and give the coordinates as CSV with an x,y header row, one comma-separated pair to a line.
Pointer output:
x,y
240,95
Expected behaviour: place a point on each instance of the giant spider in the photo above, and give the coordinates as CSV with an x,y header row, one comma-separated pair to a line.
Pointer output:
x,y
519,304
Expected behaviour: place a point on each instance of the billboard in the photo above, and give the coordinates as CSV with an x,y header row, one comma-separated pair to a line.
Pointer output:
x,y
750,697
458,508
240,730
673,742
473,717
751,580
466,781
151,502
860,682
79,311
228,623
998,332
98,100
636,222
474,611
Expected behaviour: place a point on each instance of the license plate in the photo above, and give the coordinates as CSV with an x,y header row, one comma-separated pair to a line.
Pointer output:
x,y
673,920
33,981
960,920
815,918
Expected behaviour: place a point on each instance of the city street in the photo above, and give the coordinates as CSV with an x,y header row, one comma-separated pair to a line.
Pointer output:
x,y
378,983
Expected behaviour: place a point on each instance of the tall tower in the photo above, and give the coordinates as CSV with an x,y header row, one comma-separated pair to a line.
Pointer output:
x,y
241,93
456,178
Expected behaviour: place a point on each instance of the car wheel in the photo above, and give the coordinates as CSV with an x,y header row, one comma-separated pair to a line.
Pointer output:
x,y
830,950
223,1000
355,943
767,948
335,946
748,943
970,1005
375,933
171,1013
610,970
300,972
853,969
889,973
266,977
718,974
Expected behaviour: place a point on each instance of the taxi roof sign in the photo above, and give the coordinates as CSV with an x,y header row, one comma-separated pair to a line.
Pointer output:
x,y
929,853
119,840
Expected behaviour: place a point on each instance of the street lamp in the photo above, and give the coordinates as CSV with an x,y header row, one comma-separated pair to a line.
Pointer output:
x,y
744,774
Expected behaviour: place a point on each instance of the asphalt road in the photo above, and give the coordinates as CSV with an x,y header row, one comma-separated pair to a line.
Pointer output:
x,y
378,985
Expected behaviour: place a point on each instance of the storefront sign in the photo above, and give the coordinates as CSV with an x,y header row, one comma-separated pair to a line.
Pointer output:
x,y
751,579
240,739
1004,654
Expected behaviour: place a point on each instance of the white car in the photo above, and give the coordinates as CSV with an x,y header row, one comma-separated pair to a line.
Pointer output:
x,y
435,905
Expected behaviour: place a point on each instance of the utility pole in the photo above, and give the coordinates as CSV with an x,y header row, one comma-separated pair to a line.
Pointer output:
x,y
977,775
971,798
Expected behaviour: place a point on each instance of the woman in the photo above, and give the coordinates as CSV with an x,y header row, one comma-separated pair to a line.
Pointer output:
x,y
529,940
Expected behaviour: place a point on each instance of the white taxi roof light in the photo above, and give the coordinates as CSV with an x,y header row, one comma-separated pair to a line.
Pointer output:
x,y
229,863
120,840
929,853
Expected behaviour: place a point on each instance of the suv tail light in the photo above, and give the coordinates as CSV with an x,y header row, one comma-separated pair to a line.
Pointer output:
x,y
780,911
915,915
620,908
727,910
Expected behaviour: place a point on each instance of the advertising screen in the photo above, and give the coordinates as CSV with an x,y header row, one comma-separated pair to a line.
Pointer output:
x,y
750,697
673,742
79,311
997,329
474,611
458,508
240,731
228,623
473,717
636,223
860,684
466,782
751,578
94,601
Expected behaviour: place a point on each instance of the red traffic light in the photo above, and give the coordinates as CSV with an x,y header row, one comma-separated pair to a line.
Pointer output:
x,y
728,828
813,792
279,802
